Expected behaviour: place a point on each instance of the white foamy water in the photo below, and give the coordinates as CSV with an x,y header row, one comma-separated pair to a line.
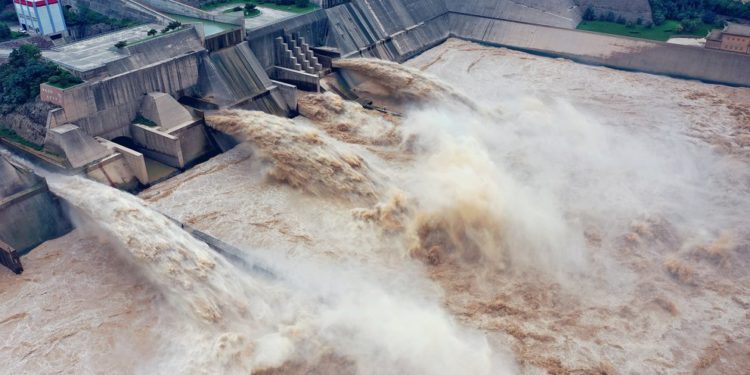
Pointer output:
x,y
237,320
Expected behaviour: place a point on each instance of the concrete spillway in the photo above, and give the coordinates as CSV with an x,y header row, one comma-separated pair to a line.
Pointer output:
x,y
29,213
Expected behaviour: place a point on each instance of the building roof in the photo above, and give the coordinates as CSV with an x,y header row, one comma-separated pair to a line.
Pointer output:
x,y
715,35
737,29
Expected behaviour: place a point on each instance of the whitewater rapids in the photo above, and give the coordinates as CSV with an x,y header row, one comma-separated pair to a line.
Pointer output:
x,y
562,219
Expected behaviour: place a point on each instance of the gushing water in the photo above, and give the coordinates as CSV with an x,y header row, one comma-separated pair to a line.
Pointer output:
x,y
579,244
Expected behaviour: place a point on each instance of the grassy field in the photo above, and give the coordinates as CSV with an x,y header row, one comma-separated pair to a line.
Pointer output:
x,y
266,4
662,32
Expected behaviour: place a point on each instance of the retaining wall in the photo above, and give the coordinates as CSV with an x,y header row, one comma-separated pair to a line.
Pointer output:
x,y
611,51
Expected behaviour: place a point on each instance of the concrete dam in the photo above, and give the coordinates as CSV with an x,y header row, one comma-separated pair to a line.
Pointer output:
x,y
380,186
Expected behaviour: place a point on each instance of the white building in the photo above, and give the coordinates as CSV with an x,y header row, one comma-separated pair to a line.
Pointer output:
x,y
43,17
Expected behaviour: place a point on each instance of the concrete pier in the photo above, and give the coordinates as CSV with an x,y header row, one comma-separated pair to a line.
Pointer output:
x,y
29,213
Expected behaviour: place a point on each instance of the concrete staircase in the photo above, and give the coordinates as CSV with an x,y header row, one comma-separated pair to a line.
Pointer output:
x,y
293,52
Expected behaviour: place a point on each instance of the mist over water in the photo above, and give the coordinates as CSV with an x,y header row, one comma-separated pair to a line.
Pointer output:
x,y
516,233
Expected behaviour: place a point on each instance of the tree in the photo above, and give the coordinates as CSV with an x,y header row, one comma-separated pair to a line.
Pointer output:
x,y
5,33
25,71
121,44
301,3
689,25
709,17
250,9
152,32
589,14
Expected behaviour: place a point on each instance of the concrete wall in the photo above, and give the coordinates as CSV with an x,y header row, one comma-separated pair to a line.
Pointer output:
x,y
312,26
29,213
135,160
161,48
616,52
241,72
78,147
158,145
107,107
225,40
10,258
193,141
631,10
114,171
559,13
303,81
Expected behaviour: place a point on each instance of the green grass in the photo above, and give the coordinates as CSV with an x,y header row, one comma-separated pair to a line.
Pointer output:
x,y
287,8
144,121
63,87
10,135
661,32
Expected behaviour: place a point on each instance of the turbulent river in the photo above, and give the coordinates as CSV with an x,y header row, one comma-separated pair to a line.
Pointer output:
x,y
524,215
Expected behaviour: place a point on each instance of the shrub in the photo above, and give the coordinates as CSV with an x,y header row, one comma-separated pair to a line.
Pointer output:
x,y
152,32
5,33
121,44
25,71
690,25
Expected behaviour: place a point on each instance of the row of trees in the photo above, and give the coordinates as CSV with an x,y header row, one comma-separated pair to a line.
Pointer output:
x,y
25,71
700,10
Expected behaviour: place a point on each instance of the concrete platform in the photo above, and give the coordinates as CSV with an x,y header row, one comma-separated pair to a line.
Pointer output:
x,y
98,51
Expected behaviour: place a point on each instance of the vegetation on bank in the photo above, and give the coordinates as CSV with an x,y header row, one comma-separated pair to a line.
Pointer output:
x,y
84,17
660,32
707,11
670,18
6,34
11,136
25,71
293,6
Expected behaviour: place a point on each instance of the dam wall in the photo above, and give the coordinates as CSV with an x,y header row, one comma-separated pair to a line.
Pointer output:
x,y
388,29
156,50
312,26
611,51
106,108
558,13
29,213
